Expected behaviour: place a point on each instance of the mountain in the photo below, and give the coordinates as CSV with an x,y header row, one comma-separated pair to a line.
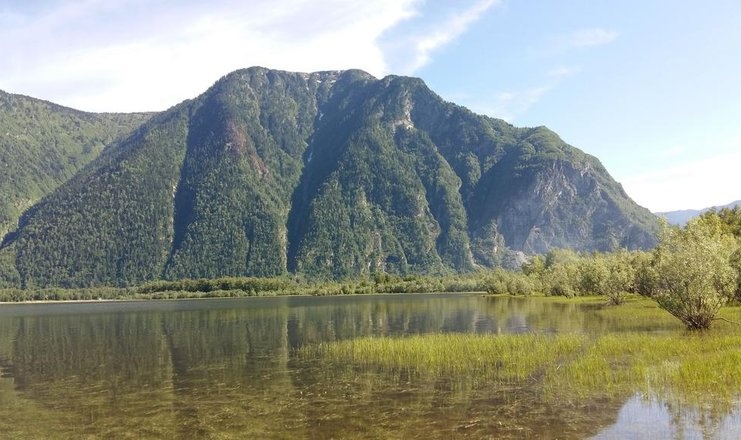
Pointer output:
x,y
683,216
328,174
42,145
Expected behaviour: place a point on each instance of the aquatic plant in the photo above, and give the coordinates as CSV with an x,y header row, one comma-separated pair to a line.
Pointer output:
x,y
697,369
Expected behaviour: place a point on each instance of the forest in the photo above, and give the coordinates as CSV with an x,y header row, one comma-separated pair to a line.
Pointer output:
x,y
330,175
692,273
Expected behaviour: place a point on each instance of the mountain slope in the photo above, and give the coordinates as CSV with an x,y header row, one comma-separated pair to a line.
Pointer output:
x,y
42,145
329,174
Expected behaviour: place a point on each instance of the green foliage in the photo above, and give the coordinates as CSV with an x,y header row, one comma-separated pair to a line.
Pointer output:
x,y
505,357
42,145
695,276
9,276
334,175
512,283
57,294
612,275
646,277
730,222
252,285
387,202
689,370
110,225
730,219
563,272
246,139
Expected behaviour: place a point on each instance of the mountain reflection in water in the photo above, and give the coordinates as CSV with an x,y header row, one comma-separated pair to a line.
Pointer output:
x,y
229,368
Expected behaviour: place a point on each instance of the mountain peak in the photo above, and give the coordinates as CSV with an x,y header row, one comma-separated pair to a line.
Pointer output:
x,y
329,174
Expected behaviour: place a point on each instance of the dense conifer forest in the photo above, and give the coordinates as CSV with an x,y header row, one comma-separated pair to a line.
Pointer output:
x,y
328,175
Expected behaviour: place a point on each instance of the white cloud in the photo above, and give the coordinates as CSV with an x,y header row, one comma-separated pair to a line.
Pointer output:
x,y
153,55
563,72
508,105
136,55
588,38
693,184
511,104
446,32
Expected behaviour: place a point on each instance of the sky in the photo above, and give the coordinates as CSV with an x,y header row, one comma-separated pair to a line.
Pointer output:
x,y
650,87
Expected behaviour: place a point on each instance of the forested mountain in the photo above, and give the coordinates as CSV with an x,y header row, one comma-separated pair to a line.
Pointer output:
x,y
329,174
42,145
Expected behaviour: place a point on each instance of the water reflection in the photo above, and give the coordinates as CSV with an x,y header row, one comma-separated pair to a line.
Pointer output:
x,y
227,368
642,418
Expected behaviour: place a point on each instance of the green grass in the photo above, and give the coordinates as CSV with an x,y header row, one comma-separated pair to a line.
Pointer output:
x,y
697,369
504,357
701,369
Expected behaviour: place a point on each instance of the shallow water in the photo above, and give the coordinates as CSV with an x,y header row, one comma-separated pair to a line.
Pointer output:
x,y
229,369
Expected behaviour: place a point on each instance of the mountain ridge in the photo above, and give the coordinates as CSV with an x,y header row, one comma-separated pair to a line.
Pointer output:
x,y
682,216
329,174
44,144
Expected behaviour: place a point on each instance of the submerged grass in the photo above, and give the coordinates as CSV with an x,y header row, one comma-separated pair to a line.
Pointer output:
x,y
693,368
506,357
700,369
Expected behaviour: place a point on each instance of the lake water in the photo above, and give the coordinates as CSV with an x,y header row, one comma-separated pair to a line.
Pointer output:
x,y
230,369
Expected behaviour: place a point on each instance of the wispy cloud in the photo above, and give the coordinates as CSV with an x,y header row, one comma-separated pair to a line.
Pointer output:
x,y
587,38
510,104
563,72
135,55
141,55
453,27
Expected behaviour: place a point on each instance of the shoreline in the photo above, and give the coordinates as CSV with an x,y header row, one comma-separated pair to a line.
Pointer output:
x,y
78,301
205,297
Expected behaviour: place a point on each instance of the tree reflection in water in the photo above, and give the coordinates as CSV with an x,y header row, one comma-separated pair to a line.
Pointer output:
x,y
229,368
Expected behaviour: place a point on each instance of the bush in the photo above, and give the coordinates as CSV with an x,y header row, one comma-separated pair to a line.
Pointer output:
x,y
695,276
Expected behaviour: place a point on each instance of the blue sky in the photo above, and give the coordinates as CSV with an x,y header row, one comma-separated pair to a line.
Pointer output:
x,y
652,87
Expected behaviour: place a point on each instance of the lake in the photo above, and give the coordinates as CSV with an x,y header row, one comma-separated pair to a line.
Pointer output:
x,y
234,368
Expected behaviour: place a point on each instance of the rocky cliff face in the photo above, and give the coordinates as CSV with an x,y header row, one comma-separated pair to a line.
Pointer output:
x,y
329,174
564,205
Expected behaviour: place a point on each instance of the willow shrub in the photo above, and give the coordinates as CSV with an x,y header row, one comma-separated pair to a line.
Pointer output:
x,y
695,276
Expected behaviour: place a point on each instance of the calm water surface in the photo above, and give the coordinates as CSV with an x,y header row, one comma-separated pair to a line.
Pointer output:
x,y
229,369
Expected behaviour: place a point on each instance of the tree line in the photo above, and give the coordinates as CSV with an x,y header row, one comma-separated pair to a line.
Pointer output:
x,y
692,273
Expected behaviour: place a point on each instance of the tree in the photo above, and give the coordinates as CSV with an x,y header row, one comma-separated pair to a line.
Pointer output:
x,y
730,219
620,276
695,277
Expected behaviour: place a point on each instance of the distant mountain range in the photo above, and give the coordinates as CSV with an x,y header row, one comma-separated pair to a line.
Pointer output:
x,y
683,216
327,174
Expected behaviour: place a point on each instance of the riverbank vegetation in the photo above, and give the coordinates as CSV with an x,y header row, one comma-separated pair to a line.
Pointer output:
x,y
238,287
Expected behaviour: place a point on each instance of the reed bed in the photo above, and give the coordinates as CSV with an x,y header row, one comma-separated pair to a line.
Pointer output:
x,y
693,367
689,368
476,356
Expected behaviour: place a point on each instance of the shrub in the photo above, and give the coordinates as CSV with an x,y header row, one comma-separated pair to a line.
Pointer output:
x,y
695,276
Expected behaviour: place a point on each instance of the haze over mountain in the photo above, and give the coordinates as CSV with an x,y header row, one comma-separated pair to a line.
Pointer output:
x,y
681,217
328,174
